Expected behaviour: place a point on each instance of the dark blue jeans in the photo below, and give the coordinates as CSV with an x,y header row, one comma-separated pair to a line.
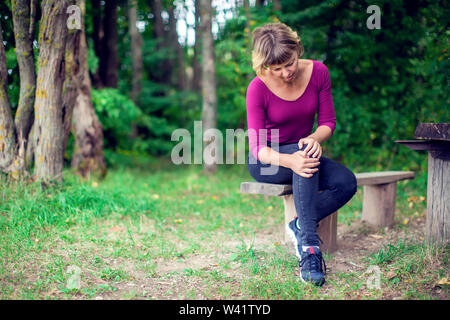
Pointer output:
x,y
316,197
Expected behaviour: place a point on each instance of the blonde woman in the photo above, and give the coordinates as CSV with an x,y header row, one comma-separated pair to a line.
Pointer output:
x,y
282,103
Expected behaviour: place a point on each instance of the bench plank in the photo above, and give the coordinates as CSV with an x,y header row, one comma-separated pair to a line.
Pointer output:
x,y
363,179
382,177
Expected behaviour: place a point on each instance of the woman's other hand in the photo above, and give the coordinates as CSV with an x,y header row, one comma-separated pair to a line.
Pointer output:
x,y
313,148
303,165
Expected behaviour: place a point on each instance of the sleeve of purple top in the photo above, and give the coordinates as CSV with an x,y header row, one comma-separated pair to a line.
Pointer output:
x,y
325,114
256,117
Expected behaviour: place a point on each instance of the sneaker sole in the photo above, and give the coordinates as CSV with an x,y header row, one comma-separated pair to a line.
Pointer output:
x,y
293,238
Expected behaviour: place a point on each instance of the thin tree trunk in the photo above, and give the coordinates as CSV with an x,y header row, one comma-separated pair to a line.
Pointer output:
x,y
197,77
97,37
136,51
163,73
34,8
25,57
109,61
209,113
177,63
8,145
49,128
88,157
277,5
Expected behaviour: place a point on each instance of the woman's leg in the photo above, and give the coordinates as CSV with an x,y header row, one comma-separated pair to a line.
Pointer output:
x,y
305,192
337,185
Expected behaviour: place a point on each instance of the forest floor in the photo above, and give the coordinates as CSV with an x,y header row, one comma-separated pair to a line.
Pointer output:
x,y
168,233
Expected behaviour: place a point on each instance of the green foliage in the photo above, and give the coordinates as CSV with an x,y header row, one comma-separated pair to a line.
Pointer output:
x,y
116,112
384,82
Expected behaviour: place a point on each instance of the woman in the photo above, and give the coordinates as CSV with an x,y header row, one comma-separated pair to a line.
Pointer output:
x,y
282,102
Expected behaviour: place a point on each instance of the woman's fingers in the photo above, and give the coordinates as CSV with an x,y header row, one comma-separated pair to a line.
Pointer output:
x,y
318,153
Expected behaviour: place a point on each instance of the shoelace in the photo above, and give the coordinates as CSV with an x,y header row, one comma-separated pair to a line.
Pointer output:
x,y
316,262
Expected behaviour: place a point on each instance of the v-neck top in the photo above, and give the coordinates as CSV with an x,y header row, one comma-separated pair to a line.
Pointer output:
x,y
294,119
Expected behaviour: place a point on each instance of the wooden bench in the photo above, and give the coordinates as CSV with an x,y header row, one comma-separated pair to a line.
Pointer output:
x,y
380,189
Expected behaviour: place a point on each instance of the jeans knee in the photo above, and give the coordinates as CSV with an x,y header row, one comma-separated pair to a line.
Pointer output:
x,y
352,184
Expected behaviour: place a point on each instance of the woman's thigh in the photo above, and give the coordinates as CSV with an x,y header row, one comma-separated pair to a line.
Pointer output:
x,y
335,175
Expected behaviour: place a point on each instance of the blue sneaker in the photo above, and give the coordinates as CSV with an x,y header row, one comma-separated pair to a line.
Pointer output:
x,y
312,266
293,231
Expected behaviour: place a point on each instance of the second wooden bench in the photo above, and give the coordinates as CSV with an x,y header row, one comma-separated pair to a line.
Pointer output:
x,y
380,190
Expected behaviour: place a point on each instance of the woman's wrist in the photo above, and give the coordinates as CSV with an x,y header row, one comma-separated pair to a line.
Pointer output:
x,y
285,160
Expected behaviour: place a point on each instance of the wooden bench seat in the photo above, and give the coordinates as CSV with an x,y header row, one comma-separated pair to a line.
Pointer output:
x,y
380,190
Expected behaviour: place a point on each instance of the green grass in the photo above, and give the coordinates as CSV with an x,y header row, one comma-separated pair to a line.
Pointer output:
x,y
159,231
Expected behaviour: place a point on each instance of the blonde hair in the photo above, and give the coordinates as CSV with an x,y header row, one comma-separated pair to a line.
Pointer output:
x,y
274,43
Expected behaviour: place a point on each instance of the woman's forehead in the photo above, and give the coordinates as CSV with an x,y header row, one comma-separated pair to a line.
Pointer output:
x,y
273,66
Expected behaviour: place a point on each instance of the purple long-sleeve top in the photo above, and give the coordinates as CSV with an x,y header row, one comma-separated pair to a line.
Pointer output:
x,y
293,119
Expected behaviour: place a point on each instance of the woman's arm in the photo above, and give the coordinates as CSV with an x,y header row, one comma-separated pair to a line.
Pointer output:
x,y
296,161
322,134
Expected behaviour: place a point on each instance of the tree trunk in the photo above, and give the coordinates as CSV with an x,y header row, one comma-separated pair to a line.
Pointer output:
x,y
277,5
177,63
109,60
88,157
136,51
49,129
7,133
163,73
74,74
25,58
197,77
97,37
34,9
209,113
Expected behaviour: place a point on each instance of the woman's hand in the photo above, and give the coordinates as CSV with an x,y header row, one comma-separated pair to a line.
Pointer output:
x,y
313,148
302,165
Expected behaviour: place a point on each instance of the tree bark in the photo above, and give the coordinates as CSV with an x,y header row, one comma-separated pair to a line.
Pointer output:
x,y
197,77
97,37
88,156
209,113
7,130
163,73
109,60
177,63
74,75
136,51
22,14
277,5
49,129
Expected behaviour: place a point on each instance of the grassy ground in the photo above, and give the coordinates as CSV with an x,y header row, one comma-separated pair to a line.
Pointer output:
x,y
171,232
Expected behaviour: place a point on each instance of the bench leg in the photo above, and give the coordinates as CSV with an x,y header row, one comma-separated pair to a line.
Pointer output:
x,y
327,227
379,204
328,233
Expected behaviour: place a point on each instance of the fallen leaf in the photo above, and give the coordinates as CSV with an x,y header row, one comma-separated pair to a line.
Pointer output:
x,y
155,196
178,220
411,204
413,199
443,282
405,221
95,184
214,198
200,201
376,236
391,275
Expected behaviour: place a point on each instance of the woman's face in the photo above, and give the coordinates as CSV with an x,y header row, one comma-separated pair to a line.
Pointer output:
x,y
286,72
